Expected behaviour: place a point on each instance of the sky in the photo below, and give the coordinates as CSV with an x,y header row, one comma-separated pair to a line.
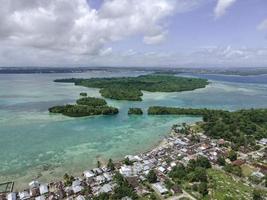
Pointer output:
x,y
159,33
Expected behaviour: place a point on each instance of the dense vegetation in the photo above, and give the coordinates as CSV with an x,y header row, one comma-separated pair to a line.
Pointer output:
x,y
241,127
121,93
83,94
135,111
195,171
130,88
91,101
85,107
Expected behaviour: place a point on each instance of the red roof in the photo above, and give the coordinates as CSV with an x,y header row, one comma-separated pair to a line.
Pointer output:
x,y
238,162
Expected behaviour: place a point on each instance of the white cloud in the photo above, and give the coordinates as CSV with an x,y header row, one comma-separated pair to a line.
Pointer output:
x,y
74,27
263,25
222,6
49,31
155,39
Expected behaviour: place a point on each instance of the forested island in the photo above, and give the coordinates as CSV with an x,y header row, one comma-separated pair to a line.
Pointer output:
x,y
241,127
130,88
135,111
85,107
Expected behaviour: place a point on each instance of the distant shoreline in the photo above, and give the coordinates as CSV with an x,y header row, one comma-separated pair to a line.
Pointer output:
x,y
174,70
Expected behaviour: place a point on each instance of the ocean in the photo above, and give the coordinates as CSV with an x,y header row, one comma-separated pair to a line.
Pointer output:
x,y
37,145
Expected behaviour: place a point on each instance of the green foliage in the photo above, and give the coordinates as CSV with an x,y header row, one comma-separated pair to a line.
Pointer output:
x,y
161,110
110,164
203,188
240,127
232,155
257,195
135,111
98,164
82,110
123,189
85,107
221,161
127,161
152,176
83,94
129,88
86,191
178,172
118,178
198,174
153,196
91,101
121,93
236,170
201,161
102,196
168,184
68,179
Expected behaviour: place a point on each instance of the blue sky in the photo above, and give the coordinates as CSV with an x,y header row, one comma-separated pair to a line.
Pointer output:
x,y
173,33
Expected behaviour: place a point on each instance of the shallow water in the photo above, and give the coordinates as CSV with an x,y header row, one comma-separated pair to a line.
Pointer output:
x,y
36,144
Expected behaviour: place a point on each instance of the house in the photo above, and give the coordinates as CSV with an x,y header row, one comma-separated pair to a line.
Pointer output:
x,y
131,158
160,188
40,198
263,141
97,171
77,188
258,175
173,164
137,168
34,184
80,197
126,198
126,170
88,174
76,183
238,162
69,191
106,188
34,192
105,169
161,169
107,176
100,179
221,142
12,196
2,196
61,194
43,189
24,195
180,142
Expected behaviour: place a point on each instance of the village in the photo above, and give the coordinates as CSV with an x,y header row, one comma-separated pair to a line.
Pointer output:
x,y
152,175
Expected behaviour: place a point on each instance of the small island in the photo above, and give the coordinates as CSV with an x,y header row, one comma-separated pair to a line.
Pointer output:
x,y
242,127
135,111
83,94
130,88
86,106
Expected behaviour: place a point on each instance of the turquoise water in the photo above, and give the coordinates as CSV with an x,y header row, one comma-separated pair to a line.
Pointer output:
x,y
36,144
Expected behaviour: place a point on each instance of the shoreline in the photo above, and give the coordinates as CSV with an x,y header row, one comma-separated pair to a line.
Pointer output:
x,y
48,176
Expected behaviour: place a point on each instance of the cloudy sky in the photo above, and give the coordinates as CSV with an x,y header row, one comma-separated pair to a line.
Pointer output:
x,y
174,33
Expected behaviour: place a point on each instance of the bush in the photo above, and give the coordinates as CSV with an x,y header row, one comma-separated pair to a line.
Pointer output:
x,y
135,111
83,94
152,176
